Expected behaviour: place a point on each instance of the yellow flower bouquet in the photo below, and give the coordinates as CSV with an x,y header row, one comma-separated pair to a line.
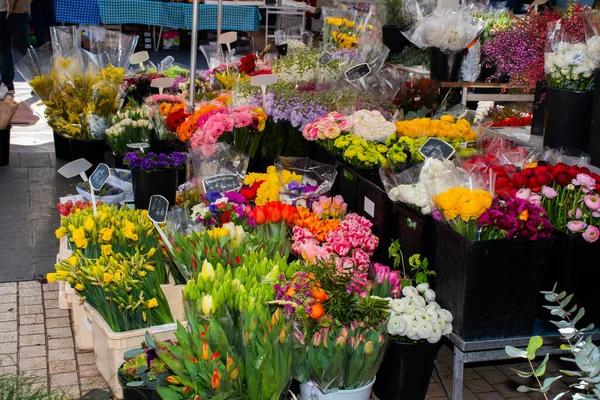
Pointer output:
x,y
265,187
340,30
112,231
462,207
124,289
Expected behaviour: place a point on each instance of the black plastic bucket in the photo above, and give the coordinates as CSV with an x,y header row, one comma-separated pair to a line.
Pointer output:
x,y
394,39
568,118
91,150
406,371
147,184
445,67
138,392
62,147
5,146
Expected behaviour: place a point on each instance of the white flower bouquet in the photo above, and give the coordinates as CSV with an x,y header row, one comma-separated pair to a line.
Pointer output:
x,y
128,131
371,126
416,316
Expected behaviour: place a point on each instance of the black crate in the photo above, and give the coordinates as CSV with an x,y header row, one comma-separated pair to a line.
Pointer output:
x,y
416,233
491,287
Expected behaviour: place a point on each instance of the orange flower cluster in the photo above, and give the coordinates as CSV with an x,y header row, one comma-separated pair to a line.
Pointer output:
x,y
187,129
311,221
274,212
167,108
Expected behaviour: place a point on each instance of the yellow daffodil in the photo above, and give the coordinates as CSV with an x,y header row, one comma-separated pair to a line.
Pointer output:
x,y
106,249
79,287
51,277
62,274
151,253
152,303
142,273
61,232
89,225
73,261
106,234
107,277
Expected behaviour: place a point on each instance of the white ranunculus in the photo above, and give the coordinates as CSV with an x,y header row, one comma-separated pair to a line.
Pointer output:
x,y
410,291
429,295
408,318
447,329
422,287
433,314
409,305
371,125
436,335
446,315
397,305
426,210
421,315
424,329
419,302
396,325
441,324
411,330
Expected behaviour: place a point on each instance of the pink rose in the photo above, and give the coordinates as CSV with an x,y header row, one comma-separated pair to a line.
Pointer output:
x,y
576,226
523,194
577,213
592,202
549,192
591,234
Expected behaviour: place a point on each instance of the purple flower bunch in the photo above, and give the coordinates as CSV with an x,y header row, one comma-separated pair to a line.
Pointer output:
x,y
154,162
298,108
515,218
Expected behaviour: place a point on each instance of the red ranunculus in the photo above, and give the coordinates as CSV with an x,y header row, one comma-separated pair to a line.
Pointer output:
x,y
520,180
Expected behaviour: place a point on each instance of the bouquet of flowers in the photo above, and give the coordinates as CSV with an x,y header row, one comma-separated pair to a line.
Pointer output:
x,y
444,127
159,108
149,162
132,126
505,116
417,98
124,289
264,188
462,207
340,336
69,207
137,87
371,126
340,28
327,127
514,218
217,209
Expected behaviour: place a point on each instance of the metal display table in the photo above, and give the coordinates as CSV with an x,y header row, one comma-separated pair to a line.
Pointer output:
x,y
493,350
467,95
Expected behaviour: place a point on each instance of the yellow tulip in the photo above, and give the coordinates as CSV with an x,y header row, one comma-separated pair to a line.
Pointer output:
x,y
142,273
208,272
208,306
61,232
51,277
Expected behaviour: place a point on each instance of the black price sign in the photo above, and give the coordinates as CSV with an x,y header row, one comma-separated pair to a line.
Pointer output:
x,y
436,148
221,183
158,208
357,72
325,59
99,176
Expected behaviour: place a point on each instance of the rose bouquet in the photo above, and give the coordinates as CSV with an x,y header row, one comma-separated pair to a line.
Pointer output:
x,y
124,289
327,127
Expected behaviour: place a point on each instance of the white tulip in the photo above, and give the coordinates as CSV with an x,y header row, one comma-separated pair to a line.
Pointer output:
x,y
422,287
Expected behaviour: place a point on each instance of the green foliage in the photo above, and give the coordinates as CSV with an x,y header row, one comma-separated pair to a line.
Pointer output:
x,y
21,388
419,267
584,354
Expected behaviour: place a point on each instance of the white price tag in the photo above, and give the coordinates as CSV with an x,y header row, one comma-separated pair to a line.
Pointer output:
x,y
162,83
369,207
139,58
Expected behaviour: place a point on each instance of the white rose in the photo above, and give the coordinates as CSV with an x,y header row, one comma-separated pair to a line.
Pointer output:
x,y
419,302
422,287
446,315
410,291
424,329
397,305
447,329
429,295
396,325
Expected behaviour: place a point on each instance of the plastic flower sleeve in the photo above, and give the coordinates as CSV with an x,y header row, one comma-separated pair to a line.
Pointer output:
x,y
365,356
326,358
317,179
112,47
38,63
451,30
293,40
405,187
66,41
218,167
339,29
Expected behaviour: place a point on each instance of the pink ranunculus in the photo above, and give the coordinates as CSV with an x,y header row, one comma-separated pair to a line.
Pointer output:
x,y
523,193
549,192
592,202
332,132
575,213
310,132
535,199
343,125
576,226
585,180
596,214
591,234
323,124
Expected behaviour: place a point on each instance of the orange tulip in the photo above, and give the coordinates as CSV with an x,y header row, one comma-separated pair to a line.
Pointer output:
x,y
319,294
172,380
317,311
260,215
214,356
205,350
215,381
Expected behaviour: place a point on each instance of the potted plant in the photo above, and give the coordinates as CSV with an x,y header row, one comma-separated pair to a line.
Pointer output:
x,y
154,174
416,326
143,371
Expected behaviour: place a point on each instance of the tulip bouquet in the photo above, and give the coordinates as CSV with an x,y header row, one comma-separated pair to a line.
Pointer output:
x,y
130,126
124,289
334,350
462,208
241,349
272,221
68,208
569,194
113,230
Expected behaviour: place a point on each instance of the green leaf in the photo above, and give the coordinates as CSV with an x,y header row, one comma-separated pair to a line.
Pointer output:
x,y
141,369
514,352
559,396
566,301
135,383
525,389
132,353
534,344
561,295
547,383
561,324
541,370
523,374
168,394
552,307
565,347
550,297
580,314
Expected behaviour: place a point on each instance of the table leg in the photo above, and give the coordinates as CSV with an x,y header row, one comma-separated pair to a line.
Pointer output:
x,y
465,95
459,371
442,380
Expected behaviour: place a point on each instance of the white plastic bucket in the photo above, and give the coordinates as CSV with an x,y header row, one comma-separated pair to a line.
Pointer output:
x,y
308,391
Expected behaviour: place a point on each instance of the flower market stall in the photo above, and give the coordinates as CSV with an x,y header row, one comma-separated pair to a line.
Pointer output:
x,y
315,222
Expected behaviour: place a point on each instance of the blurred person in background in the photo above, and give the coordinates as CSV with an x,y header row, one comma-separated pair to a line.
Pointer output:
x,y
42,17
14,34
